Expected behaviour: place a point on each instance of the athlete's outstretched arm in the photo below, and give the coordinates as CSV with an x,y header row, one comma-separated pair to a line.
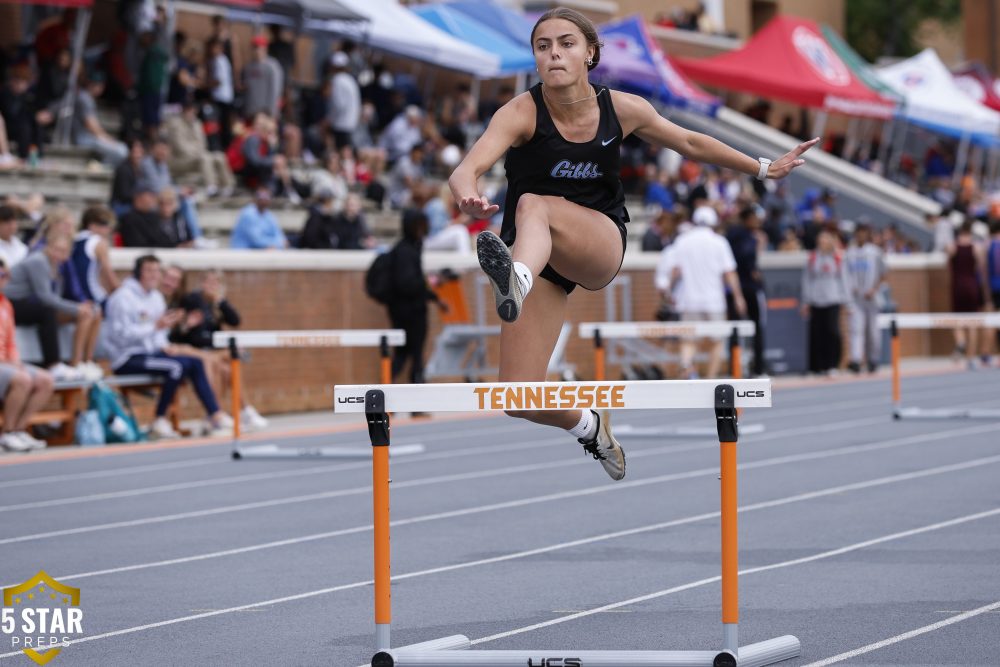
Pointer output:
x,y
638,116
507,127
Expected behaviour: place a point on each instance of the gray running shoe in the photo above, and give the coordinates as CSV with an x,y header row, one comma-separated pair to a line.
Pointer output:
x,y
494,257
605,448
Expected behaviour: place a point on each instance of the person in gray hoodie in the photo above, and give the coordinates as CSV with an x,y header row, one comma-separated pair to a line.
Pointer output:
x,y
138,324
35,290
825,289
866,271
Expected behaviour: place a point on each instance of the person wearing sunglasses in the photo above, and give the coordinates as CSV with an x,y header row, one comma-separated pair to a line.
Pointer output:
x,y
25,389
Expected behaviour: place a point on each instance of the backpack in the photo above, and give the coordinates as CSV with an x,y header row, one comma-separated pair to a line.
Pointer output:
x,y
378,278
89,429
118,421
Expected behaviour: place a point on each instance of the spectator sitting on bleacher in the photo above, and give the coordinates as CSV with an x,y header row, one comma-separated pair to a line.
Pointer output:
x,y
205,311
19,107
403,133
251,155
156,172
448,227
12,248
34,291
126,177
172,285
86,128
173,220
91,258
143,226
25,389
257,228
405,175
327,229
138,324
190,154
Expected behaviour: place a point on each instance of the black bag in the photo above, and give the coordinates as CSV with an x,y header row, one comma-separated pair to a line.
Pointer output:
x,y
378,279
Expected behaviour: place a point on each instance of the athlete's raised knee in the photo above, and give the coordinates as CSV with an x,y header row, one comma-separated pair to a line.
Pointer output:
x,y
530,207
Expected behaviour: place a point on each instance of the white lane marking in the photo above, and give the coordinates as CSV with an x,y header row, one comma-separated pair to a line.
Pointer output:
x,y
115,472
840,657
618,486
753,570
464,434
617,605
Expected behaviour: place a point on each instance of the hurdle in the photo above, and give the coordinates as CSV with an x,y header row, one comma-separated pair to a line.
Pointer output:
x,y
235,340
896,321
725,397
736,330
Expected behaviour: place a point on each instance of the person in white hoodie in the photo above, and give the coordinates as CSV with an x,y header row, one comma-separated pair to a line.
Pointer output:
x,y
138,324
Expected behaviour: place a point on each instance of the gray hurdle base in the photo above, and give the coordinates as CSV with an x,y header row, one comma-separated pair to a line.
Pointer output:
x,y
272,451
680,431
447,652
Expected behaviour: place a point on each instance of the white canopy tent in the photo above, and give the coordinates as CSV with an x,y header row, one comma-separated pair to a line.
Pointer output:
x,y
393,28
933,100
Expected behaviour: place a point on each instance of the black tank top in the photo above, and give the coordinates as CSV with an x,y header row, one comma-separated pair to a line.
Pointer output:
x,y
586,173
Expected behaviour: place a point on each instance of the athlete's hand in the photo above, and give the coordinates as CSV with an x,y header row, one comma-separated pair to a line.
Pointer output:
x,y
790,160
478,207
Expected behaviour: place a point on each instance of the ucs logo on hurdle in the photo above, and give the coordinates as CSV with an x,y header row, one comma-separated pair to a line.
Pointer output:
x,y
555,662
40,615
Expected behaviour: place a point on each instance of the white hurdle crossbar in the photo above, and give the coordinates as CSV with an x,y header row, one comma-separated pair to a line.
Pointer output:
x,y
735,330
235,340
724,396
896,321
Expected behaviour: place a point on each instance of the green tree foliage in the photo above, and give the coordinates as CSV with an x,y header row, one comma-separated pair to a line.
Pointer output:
x,y
877,28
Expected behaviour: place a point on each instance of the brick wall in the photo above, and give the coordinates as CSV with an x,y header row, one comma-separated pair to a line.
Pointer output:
x,y
325,291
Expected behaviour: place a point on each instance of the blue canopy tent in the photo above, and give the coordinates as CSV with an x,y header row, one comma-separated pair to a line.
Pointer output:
x,y
631,61
514,57
512,24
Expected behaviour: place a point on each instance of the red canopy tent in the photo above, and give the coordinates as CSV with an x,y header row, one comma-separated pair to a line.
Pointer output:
x,y
980,85
788,59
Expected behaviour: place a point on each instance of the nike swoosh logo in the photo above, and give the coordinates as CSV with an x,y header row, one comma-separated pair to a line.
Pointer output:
x,y
605,143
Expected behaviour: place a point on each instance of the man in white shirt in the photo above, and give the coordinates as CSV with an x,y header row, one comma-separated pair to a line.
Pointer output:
x,y
12,249
694,271
345,101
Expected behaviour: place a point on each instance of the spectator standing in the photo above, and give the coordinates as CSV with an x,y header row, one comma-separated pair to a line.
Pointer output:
x,y
700,263
257,227
968,288
263,81
866,270
91,258
345,101
825,289
152,82
12,248
126,178
190,154
993,271
747,239
34,291
86,128
24,389
138,324
410,294
221,88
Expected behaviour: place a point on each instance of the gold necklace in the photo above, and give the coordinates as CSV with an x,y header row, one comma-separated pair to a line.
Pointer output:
x,y
582,99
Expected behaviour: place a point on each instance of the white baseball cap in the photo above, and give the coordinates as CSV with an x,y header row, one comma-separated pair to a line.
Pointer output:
x,y
340,59
705,216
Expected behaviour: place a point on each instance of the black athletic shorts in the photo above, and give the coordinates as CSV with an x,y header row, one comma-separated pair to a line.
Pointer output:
x,y
553,276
